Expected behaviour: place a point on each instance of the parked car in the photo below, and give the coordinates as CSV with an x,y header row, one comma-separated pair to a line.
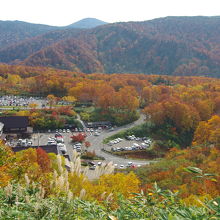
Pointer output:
x,y
91,163
51,142
58,135
129,164
29,143
113,149
62,148
92,167
59,140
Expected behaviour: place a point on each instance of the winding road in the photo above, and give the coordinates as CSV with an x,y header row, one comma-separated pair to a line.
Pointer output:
x,y
97,145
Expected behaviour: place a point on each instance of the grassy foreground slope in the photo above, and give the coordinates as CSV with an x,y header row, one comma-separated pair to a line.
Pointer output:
x,y
35,185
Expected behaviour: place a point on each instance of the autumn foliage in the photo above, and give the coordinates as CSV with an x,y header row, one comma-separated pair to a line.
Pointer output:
x,y
78,138
36,167
171,172
43,160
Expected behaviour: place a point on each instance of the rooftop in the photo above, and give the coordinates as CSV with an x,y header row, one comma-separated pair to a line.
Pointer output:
x,y
14,121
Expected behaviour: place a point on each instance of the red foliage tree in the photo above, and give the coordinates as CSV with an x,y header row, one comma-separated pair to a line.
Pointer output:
x,y
78,138
43,159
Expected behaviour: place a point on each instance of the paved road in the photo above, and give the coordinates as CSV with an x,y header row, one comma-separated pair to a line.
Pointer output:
x,y
97,145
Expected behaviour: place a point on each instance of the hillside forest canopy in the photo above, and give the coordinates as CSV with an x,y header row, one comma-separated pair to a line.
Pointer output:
x,y
171,45
182,115
179,108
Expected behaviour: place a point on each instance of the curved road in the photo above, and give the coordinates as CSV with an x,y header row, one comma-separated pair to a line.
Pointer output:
x,y
97,145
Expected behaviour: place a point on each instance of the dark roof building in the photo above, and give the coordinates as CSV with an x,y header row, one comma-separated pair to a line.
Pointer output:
x,y
98,124
14,124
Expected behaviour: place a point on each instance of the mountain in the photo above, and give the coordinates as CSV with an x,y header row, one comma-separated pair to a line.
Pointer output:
x,y
87,23
16,31
171,45
16,53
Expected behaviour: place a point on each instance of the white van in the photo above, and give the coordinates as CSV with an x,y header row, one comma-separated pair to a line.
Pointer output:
x,y
62,148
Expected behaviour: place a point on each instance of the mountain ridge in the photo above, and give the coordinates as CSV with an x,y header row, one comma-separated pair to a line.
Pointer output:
x,y
87,23
170,45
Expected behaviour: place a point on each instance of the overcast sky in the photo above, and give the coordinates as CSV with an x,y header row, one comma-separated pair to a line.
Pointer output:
x,y
65,12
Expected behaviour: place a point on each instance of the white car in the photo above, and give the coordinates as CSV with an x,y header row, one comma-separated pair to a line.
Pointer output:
x,y
99,163
130,163
24,143
122,167
29,143
59,140
68,130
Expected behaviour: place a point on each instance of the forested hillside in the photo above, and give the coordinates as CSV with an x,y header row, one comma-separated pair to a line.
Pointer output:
x,y
171,45
15,31
182,119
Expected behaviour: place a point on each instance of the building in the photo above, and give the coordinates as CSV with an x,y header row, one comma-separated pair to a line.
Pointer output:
x,y
14,124
102,124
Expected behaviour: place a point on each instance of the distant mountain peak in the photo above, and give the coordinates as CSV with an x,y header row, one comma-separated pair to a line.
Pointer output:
x,y
87,23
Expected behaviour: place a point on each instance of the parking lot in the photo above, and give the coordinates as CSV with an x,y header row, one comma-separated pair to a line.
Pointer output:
x,y
51,138
95,136
23,102
131,143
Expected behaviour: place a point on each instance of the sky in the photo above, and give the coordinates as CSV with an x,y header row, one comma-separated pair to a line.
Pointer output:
x,y
65,12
